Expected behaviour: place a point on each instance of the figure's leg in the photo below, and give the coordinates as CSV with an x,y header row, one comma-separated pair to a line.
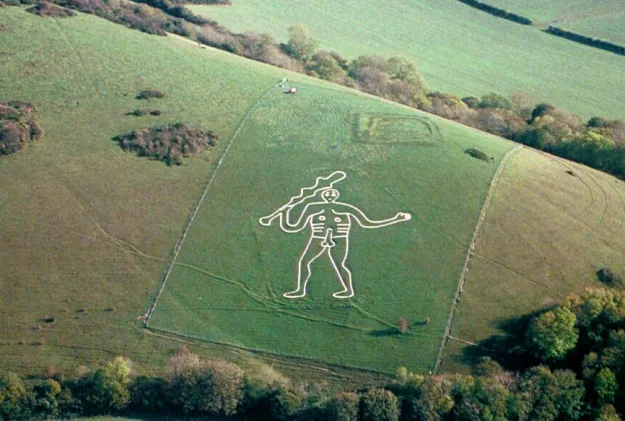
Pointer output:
x,y
311,253
340,251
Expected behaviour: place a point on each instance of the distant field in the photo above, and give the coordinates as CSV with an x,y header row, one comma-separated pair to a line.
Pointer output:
x,y
603,19
557,10
459,49
546,234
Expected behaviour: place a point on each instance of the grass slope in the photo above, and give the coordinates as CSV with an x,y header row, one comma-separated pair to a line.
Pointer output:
x,y
229,278
546,234
84,225
460,50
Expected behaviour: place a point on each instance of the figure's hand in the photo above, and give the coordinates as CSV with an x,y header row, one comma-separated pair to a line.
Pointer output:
x,y
266,220
403,216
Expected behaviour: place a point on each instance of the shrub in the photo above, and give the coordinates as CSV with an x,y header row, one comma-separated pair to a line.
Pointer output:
x,y
471,101
494,100
609,278
379,405
168,143
150,93
148,394
301,45
13,396
476,153
402,325
17,126
283,402
213,387
345,406
46,9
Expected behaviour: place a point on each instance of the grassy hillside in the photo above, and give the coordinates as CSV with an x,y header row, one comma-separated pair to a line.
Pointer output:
x,y
552,224
496,55
407,270
87,229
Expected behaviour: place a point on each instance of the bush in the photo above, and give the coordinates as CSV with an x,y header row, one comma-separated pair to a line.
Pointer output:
x,y
345,406
494,100
148,394
284,401
379,405
46,9
301,45
609,278
471,101
476,153
212,387
150,93
17,126
168,143
13,396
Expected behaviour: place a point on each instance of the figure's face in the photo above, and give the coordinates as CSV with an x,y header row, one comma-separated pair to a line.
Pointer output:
x,y
330,195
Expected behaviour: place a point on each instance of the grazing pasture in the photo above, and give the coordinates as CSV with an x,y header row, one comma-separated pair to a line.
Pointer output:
x,y
551,226
460,50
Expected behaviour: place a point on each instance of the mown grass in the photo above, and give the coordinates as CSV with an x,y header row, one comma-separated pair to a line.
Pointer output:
x,y
229,278
459,49
86,229
551,226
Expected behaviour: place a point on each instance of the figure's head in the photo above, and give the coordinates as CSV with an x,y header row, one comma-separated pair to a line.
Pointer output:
x,y
330,195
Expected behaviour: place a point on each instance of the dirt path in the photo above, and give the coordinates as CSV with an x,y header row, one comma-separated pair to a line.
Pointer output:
x,y
472,245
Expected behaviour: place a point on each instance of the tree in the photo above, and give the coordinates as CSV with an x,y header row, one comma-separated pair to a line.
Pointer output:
x,y
427,399
494,100
379,405
107,389
301,45
213,387
400,67
605,386
326,66
344,407
543,395
479,399
553,334
12,396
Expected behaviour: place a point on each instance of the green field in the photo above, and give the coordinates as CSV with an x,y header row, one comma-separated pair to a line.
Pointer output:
x,y
603,19
84,225
546,234
557,10
459,49
87,230
407,270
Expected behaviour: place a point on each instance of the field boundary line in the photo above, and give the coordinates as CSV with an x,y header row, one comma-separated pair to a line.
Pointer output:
x,y
178,246
472,244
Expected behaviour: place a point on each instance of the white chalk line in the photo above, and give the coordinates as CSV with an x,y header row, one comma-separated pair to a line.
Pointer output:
x,y
199,203
320,232
472,245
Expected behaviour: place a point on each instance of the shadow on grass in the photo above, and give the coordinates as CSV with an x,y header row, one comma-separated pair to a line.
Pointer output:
x,y
508,348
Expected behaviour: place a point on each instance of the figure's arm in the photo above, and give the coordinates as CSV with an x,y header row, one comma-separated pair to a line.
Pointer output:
x,y
365,222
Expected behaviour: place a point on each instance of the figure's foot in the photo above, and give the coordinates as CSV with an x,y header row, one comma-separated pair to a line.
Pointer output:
x,y
344,294
295,294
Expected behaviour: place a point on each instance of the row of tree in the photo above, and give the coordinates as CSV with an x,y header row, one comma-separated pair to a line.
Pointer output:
x,y
574,370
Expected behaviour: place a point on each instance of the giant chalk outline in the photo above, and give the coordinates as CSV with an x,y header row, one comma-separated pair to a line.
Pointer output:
x,y
317,215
